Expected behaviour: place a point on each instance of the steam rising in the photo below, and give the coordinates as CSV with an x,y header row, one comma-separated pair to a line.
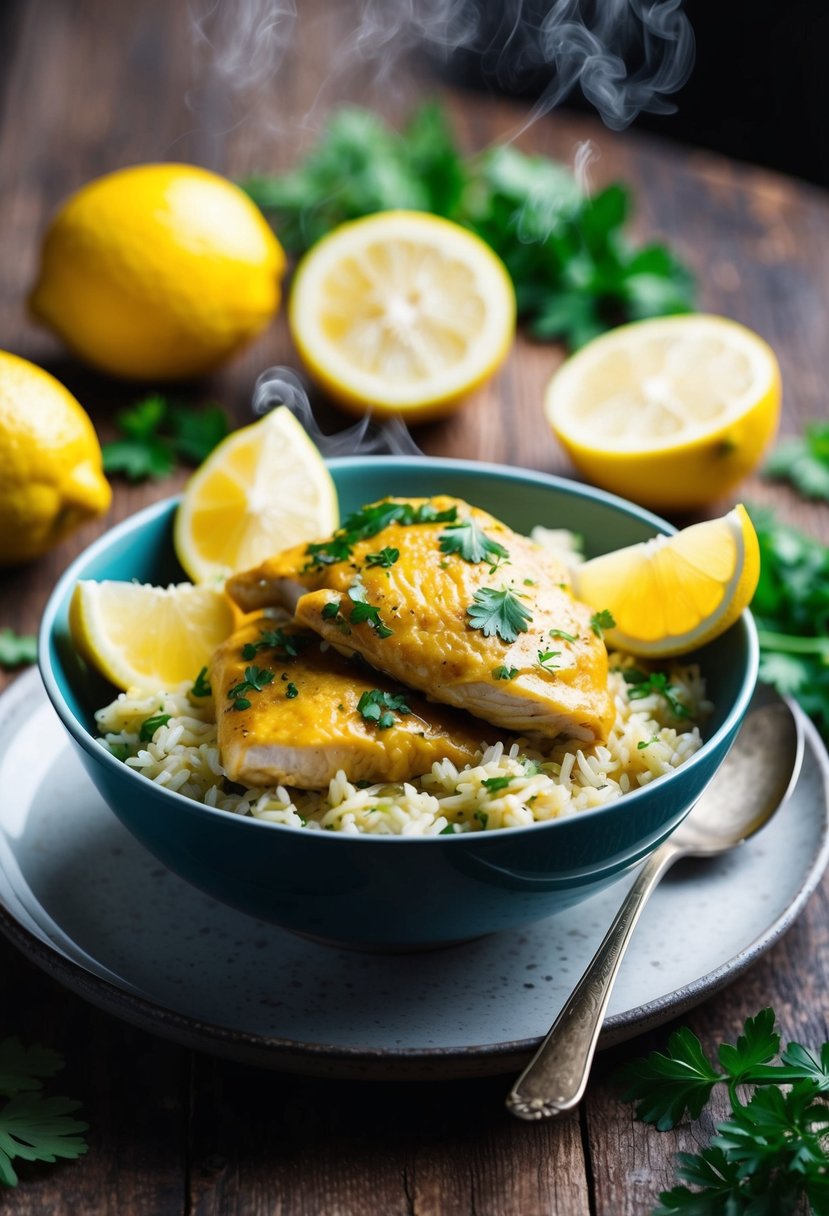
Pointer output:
x,y
626,56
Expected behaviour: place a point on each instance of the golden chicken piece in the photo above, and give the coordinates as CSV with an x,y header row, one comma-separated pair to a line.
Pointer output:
x,y
446,599
290,712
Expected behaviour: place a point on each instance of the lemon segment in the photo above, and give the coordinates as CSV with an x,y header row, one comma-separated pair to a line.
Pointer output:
x,y
264,488
671,594
402,313
158,272
140,636
52,477
671,412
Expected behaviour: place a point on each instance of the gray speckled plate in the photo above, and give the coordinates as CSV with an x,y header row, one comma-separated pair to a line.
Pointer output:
x,y
85,902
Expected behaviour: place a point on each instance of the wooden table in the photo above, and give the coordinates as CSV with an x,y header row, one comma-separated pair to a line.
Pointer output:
x,y
90,86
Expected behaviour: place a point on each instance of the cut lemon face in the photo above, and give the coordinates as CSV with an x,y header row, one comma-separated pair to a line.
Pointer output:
x,y
140,636
671,412
673,593
402,313
263,489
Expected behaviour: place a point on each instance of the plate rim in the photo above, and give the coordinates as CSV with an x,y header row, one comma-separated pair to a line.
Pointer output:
x,y
277,1052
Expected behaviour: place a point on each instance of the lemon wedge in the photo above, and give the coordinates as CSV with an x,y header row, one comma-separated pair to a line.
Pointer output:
x,y
140,636
671,594
671,412
402,313
264,488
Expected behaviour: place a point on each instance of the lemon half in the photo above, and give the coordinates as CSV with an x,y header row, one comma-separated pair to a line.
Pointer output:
x,y
402,313
140,636
671,594
671,412
264,488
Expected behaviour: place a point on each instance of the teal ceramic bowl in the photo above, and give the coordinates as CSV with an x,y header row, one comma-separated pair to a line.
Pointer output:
x,y
394,892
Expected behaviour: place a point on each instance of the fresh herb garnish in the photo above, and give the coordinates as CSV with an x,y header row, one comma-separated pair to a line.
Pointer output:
x,y
256,678
600,621
291,691
17,649
380,707
469,540
557,634
150,725
201,685
575,273
803,461
330,610
385,558
482,817
155,434
33,1127
289,645
545,659
504,673
362,611
494,784
449,830
643,743
498,612
769,1155
640,685
367,522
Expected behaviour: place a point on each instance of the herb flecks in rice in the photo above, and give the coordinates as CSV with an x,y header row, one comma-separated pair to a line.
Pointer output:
x,y
545,779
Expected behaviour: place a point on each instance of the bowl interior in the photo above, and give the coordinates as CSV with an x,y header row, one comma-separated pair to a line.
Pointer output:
x,y
141,548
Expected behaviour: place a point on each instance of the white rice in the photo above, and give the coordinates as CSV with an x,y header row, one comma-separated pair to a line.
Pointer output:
x,y
547,779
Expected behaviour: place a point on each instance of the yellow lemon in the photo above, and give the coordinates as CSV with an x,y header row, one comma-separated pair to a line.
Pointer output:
x,y
140,636
263,489
402,313
671,594
158,272
672,412
51,478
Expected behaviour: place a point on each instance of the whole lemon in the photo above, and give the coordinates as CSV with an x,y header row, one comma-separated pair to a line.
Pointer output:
x,y
51,461
158,272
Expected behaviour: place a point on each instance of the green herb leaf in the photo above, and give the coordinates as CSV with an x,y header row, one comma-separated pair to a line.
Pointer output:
x,y
565,637
368,521
380,707
600,621
201,685
291,691
362,611
288,645
469,540
504,673
150,725
34,1127
482,817
667,1085
545,659
641,685
256,678
494,784
803,461
385,558
498,612
155,433
23,1068
330,610
17,649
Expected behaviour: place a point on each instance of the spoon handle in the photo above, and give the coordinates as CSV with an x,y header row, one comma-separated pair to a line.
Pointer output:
x,y
555,1079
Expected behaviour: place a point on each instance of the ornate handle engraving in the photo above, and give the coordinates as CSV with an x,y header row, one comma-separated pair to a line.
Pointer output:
x,y
555,1079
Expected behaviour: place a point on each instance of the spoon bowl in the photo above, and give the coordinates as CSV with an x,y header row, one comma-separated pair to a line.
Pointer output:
x,y
755,779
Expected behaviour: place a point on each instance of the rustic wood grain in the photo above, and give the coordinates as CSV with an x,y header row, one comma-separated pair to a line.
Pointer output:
x,y
88,86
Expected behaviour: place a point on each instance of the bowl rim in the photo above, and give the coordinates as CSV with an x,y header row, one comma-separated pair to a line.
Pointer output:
x,y
165,506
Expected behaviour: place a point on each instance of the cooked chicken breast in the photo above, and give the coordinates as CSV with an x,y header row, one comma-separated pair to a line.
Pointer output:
x,y
290,713
448,600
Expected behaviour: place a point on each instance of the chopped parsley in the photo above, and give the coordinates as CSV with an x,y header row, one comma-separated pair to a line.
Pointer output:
x,y
559,634
494,784
380,707
288,644
150,725
201,685
385,558
256,678
449,830
482,817
291,691
642,685
600,621
643,743
330,610
498,612
470,542
545,659
504,673
367,522
17,649
362,610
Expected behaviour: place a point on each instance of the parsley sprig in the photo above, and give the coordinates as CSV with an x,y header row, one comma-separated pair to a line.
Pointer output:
x,y
642,684
770,1153
362,610
155,434
468,539
150,725
34,1127
368,521
201,685
17,649
498,613
803,461
380,707
602,620
256,678
287,645
574,270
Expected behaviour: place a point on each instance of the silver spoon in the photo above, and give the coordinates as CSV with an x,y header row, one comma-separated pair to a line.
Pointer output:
x,y
756,777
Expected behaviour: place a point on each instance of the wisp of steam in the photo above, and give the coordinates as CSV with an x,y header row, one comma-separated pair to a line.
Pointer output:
x,y
626,56
282,386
